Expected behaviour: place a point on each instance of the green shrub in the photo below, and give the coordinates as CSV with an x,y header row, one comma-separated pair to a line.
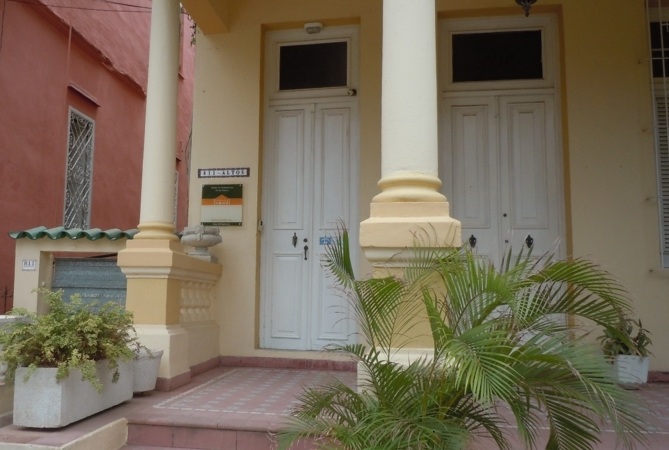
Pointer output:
x,y
72,335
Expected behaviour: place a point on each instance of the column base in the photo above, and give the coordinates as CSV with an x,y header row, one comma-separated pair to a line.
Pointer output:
x,y
409,187
173,341
156,230
395,228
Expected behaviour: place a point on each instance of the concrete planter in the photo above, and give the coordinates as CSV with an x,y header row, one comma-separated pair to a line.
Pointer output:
x,y
145,368
42,402
631,370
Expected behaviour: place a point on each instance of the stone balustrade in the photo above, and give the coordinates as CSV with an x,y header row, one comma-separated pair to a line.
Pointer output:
x,y
197,297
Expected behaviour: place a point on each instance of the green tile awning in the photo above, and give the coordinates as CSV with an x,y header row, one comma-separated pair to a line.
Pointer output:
x,y
92,234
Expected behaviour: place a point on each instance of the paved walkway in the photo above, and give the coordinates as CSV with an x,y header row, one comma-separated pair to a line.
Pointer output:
x,y
253,400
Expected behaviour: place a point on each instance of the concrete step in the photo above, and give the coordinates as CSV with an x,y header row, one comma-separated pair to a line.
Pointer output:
x,y
144,447
175,437
165,436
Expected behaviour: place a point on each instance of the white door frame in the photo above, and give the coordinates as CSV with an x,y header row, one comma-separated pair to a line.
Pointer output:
x,y
459,93
316,103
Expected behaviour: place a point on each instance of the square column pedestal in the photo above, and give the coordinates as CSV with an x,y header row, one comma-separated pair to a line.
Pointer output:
x,y
394,228
388,239
171,295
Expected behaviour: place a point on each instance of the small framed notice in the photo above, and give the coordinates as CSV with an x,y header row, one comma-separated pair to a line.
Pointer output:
x,y
222,205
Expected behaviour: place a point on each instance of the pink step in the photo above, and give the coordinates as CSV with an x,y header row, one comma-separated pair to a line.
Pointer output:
x,y
152,437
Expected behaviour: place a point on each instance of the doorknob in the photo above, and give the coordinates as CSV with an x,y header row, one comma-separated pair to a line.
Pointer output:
x,y
529,240
306,247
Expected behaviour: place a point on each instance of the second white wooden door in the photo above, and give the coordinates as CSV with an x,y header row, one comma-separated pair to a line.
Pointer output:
x,y
501,171
309,189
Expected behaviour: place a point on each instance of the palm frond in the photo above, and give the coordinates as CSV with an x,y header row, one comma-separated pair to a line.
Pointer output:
x,y
502,350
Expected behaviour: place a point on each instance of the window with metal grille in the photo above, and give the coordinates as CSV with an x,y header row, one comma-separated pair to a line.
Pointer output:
x,y
662,118
79,171
659,52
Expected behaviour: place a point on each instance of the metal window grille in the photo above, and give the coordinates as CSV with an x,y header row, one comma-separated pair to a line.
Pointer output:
x,y
658,31
79,171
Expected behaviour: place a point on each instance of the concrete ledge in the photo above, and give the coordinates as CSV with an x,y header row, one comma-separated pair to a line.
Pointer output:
x,y
112,435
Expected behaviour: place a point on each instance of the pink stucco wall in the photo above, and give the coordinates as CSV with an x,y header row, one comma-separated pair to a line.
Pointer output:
x,y
93,60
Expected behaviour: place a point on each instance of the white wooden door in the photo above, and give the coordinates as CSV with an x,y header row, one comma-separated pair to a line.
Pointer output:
x,y
470,167
529,173
501,171
309,183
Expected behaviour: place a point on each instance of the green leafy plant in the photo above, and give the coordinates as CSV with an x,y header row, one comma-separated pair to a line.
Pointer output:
x,y
503,351
72,335
628,337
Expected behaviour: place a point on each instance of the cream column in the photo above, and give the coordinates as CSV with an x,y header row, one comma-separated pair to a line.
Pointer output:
x,y
154,261
157,203
409,204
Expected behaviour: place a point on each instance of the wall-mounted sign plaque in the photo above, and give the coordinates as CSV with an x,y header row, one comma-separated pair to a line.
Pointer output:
x,y
222,205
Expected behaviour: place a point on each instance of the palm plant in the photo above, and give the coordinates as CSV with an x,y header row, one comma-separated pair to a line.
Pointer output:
x,y
501,355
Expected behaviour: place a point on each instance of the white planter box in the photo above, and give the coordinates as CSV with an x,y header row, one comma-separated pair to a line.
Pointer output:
x,y
631,370
145,369
42,402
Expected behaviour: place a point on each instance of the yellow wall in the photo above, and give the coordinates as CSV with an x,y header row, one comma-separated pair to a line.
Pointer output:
x,y
611,154
227,125
609,168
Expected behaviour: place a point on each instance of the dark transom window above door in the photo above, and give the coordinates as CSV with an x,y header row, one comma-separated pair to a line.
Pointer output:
x,y
497,56
300,65
313,66
498,53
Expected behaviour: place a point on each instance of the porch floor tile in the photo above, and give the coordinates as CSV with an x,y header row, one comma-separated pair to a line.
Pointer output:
x,y
235,408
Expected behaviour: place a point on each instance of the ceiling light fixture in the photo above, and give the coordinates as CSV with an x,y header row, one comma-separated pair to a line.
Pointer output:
x,y
526,5
314,27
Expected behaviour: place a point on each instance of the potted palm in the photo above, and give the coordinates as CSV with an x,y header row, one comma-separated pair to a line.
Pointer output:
x,y
70,363
626,345
498,354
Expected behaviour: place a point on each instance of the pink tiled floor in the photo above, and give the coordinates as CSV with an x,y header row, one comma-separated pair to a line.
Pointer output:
x,y
234,408
250,392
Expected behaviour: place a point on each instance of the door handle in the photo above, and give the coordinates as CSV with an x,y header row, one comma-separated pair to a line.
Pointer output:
x,y
529,241
306,247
